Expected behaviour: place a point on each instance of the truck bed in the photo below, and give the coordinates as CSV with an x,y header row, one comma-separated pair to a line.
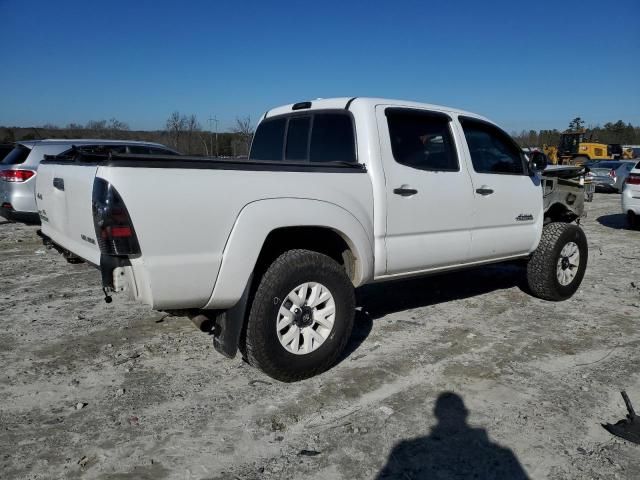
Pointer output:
x,y
174,204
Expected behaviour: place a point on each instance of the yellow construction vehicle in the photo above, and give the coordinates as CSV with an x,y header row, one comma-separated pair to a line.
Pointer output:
x,y
575,148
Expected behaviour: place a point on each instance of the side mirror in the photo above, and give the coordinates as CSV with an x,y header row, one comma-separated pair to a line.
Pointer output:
x,y
537,161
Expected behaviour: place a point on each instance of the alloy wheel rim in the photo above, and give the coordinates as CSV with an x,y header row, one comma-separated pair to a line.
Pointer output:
x,y
306,318
568,263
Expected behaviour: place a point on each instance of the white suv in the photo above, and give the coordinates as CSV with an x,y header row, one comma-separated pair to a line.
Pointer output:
x,y
631,197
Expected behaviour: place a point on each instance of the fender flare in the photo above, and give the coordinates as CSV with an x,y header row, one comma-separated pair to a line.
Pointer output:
x,y
257,219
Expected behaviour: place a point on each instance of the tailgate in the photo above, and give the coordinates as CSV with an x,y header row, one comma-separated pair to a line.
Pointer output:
x,y
63,195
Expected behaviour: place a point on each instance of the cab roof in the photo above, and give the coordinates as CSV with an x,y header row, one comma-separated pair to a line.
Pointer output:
x,y
342,103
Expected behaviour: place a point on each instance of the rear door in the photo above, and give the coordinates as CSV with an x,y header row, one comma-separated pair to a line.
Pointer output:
x,y
507,208
428,192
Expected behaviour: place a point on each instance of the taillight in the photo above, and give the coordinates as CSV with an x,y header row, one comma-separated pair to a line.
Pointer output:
x,y
16,175
612,173
114,229
633,179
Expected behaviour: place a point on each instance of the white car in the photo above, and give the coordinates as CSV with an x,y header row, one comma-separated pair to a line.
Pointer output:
x,y
336,193
631,197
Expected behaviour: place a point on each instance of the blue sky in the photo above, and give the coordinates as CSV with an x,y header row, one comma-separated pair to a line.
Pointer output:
x,y
522,64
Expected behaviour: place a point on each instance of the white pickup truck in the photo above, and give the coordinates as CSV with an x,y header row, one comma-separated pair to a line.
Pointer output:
x,y
336,193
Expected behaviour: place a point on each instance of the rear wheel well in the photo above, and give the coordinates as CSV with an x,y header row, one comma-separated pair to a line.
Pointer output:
x,y
318,239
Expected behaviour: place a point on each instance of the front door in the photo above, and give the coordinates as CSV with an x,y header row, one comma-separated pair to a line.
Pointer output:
x,y
508,210
428,191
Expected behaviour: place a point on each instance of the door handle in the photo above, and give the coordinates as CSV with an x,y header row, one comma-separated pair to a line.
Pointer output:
x,y
484,191
405,192
58,183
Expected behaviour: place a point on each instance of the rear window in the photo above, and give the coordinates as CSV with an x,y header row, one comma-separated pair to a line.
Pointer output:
x,y
297,138
607,165
319,137
147,150
96,149
17,156
269,139
332,138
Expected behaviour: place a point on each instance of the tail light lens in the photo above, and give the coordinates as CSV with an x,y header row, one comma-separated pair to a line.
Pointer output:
x,y
18,176
612,173
114,229
633,179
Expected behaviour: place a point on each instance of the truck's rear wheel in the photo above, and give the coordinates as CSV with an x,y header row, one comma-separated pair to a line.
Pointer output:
x,y
301,316
556,268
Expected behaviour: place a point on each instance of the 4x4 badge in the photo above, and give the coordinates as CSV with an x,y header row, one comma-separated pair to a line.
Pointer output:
x,y
524,217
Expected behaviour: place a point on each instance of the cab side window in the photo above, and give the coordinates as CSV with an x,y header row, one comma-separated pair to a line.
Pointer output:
x,y
492,150
421,140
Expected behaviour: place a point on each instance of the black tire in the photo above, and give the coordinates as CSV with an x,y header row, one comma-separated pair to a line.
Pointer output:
x,y
289,270
542,266
632,220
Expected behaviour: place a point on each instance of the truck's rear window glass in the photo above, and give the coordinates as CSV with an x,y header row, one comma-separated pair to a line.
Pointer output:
x,y
332,138
297,138
268,141
492,150
422,140
18,155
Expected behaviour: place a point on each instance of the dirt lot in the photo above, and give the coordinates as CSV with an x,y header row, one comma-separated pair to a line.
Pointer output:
x,y
90,390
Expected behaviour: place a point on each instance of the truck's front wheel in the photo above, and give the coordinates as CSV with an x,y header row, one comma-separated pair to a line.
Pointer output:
x,y
301,316
556,268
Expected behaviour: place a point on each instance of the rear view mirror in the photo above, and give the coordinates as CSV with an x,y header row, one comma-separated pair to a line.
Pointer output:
x,y
537,161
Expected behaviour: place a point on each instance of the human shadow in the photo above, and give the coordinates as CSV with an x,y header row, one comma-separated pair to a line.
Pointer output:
x,y
452,450
617,221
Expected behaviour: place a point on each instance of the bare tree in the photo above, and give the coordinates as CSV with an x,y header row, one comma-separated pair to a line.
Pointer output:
x,y
117,125
192,126
175,128
203,139
96,125
244,133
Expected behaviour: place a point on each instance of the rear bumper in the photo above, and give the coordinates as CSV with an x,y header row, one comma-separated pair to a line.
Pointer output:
x,y
630,201
22,217
606,183
21,196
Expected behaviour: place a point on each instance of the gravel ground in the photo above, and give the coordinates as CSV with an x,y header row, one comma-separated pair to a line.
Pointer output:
x,y
457,376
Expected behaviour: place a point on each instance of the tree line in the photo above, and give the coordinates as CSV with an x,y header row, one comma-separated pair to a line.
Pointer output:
x,y
609,133
182,132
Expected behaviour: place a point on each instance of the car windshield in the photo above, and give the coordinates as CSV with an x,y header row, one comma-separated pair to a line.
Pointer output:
x,y
17,156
